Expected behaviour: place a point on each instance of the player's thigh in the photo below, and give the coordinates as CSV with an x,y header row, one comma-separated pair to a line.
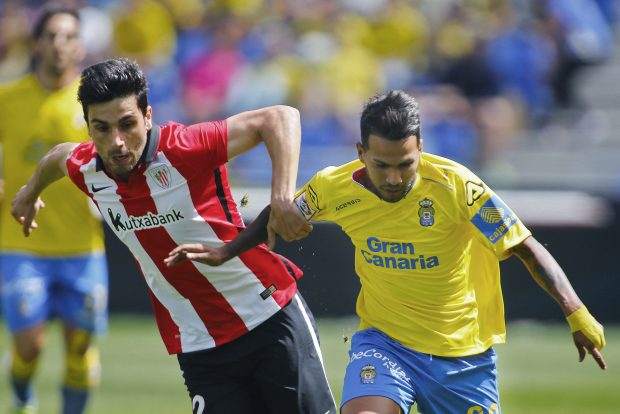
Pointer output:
x,y
463,384
290,374
377,368
25,282
81,294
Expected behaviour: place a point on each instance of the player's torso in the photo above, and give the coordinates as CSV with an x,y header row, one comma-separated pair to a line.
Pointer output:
x,y
419,244
33,121
166,203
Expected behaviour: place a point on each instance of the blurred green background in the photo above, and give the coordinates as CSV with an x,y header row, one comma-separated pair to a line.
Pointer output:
x,y
539,372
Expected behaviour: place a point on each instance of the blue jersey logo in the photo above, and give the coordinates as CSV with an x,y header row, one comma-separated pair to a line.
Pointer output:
x,y
494,219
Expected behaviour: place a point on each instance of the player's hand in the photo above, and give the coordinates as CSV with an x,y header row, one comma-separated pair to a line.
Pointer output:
x,y
584,345
588,335
197,252
25,208
286,220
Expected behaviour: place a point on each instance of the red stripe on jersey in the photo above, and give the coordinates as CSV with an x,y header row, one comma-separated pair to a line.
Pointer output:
x,y
165,324
220,211
220,319
81,156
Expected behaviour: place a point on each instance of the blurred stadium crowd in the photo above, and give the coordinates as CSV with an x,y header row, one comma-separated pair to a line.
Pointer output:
x,y
483,70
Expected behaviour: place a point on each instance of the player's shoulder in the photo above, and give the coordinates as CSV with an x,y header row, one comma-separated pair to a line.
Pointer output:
x,y
83,152
22,85
333,172
334,175
445,171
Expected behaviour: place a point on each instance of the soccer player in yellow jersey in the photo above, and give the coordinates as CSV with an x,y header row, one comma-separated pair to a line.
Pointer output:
x,y
428,237
60,271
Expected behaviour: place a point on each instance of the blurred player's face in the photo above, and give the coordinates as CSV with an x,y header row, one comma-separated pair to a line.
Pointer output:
x,y
119,130
59,49
391,165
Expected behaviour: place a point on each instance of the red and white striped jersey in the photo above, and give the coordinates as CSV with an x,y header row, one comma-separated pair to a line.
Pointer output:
x,y
179,193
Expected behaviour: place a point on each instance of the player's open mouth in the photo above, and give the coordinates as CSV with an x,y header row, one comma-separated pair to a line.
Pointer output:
x,y
121,159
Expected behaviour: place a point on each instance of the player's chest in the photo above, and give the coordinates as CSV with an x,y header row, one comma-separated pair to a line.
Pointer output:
x,y
156,197
421,217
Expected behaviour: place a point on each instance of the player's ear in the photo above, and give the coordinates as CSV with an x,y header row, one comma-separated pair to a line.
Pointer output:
x,y
360,151
148,118
420,144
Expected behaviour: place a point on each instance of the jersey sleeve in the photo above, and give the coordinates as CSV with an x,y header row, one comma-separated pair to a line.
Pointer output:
x,y
310,199
80,155
495,224
208,142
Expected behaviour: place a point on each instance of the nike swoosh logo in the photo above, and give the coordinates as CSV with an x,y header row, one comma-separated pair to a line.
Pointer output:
x,y
97,189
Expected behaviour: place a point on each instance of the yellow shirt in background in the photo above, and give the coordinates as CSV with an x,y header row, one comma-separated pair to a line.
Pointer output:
x,y
32,121
429,263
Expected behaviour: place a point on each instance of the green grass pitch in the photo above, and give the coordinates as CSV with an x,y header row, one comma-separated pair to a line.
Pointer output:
x,y
539,371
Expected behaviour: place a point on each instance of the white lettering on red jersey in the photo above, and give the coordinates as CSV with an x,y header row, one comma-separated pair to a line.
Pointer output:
x,y
177,194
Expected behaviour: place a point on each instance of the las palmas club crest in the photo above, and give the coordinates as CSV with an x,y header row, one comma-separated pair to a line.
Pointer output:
x,y
161,175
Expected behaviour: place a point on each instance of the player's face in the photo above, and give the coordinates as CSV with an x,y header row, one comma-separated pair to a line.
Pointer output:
x,y
59,49
119,130
391,165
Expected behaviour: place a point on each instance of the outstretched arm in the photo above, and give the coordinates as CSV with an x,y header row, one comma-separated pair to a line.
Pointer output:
x,y
52,167
253,235
587,332
279,128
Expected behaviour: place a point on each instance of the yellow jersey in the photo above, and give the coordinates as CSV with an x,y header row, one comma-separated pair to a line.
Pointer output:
x,y
429,263
32,121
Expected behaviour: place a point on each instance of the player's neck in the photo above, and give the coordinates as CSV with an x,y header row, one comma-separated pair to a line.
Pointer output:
x,y
361,176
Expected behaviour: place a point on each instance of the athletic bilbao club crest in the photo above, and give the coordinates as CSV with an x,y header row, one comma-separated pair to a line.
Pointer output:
x,y
426,213
368,374
161,175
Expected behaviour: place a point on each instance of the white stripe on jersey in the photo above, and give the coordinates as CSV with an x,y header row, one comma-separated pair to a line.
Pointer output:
x,y
233,280
194,335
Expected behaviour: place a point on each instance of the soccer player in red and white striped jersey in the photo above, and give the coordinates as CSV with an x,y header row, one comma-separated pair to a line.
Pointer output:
x,y
243,335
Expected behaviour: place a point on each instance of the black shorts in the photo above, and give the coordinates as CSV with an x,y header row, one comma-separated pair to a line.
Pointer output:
x,y
274,369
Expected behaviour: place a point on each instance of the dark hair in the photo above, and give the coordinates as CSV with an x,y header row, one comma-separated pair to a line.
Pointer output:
x,y
48,13
114,78
393,116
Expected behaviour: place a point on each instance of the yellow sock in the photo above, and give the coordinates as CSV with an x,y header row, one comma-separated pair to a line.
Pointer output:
x,y
22,370
83,369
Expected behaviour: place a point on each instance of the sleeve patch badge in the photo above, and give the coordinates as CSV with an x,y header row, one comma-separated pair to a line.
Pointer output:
x,y
494,219
304,206
492,214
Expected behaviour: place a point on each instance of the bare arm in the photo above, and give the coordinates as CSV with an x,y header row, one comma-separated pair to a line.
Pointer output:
x,y
279,128
51,168
252,236
587,332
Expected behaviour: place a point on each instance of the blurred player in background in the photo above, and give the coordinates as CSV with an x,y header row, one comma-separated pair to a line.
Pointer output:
x,y
428,238
61,271
244,339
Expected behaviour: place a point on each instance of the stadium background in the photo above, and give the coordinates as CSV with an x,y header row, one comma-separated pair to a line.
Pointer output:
x,y
522,91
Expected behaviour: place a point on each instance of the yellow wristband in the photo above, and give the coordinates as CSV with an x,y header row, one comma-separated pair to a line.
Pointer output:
x,y
582,320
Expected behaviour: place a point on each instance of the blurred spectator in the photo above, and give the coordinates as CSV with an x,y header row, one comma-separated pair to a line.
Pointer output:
x,y
207,77
144,30
583,37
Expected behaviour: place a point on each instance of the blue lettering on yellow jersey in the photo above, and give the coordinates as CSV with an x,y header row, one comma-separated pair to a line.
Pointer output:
x,y
494,219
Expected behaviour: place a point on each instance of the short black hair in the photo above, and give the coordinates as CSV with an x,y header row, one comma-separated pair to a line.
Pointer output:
x,y
47,14
394,116
112,79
